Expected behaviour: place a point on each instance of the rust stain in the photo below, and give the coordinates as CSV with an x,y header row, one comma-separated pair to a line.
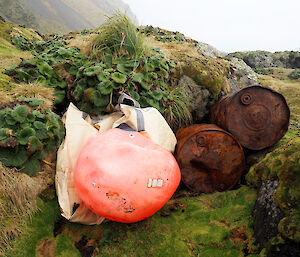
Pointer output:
x,y
210,158
257,116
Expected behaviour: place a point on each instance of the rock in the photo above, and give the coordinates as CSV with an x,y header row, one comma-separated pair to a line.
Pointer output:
x,y
208,50
241,75
264,59
199,97
266,214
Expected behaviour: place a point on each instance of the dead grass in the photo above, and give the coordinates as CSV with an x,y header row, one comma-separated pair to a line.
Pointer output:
x,y
83,42
175,51
35,90
18,193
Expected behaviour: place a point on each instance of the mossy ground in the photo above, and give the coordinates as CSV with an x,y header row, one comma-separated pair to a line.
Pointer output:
x,y
283,163
207,225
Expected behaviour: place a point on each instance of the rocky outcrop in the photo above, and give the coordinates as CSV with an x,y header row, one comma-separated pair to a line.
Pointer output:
x,y
199,98
240,75
266,214
208,50
264,59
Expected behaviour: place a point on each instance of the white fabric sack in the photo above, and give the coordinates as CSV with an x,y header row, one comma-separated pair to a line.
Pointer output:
x,y
78,130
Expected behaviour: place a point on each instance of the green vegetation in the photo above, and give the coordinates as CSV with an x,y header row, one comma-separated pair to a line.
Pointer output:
x,y
39,228
27,135
118,37
283,164
295,74
120,62
264,71
162,35
208,225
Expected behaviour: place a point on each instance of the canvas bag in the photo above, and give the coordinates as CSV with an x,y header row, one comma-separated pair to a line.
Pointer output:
x,y
79,127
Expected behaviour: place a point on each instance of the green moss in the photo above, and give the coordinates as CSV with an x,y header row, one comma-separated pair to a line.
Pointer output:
x,y
65,246
283,164
5,82
40,227
208,225
209,74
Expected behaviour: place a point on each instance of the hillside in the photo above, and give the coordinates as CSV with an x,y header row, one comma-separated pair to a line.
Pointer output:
x,y
61,16
41,75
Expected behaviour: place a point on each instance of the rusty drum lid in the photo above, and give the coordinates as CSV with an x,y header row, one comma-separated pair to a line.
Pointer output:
x,y
257,116
210,158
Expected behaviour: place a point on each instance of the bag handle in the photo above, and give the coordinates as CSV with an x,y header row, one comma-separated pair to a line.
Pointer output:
x,y
124,97
139,113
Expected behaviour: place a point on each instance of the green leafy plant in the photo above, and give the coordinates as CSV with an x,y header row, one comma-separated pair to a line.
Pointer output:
x,y
295,74
27,135
264,71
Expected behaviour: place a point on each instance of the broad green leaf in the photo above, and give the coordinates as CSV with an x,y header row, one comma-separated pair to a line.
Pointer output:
x,y
9,119
33,102
13,157
92,71
61,84
41,79
38,114
45,69
19,113
4,134
39,125
148,67
11,68
119,77
59,96
99,100
123,69
103,76
105,87
25,134
115,85
145,85
34,144
134,95
78,92
138,77
23,76
107,59
156,94
31,167
41,134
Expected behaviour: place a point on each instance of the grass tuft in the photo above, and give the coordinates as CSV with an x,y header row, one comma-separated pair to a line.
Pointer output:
x,y
177,112
118,37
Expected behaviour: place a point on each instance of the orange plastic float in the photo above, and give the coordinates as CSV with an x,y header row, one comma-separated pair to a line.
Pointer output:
x,y
124,176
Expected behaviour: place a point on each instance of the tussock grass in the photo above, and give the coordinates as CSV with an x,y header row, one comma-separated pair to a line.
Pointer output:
x,y
83,42
177,113
119,37
17,203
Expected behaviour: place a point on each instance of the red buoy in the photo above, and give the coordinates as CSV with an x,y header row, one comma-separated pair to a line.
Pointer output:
x,y
124,176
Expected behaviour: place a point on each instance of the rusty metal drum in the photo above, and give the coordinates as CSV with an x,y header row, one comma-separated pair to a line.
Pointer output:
x,y
257,116
210,159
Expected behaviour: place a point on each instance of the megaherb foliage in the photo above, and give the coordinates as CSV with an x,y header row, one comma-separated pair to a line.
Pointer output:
x,y
121,62
27,135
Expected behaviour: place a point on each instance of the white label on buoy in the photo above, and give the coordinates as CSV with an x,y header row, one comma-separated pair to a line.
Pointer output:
x,y
155,182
